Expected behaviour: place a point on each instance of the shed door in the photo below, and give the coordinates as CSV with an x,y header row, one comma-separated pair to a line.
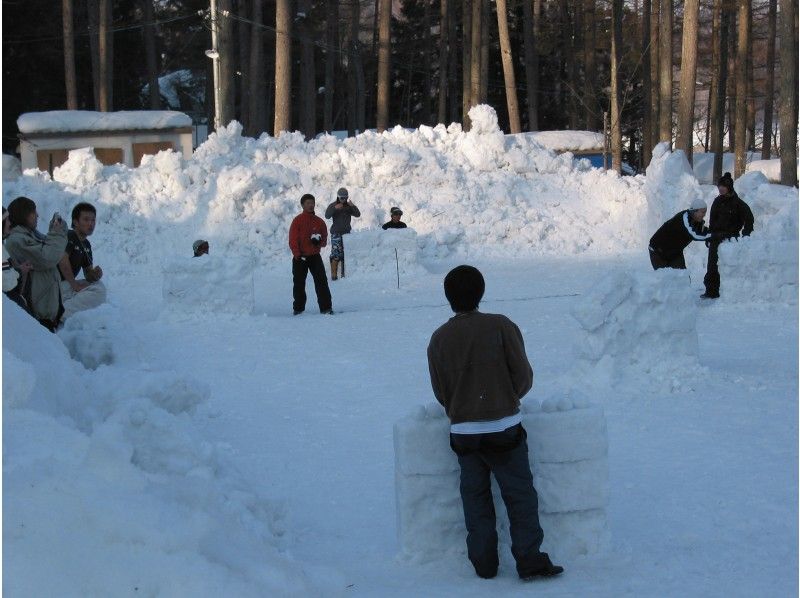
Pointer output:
x,y
108,155
147,149
48,159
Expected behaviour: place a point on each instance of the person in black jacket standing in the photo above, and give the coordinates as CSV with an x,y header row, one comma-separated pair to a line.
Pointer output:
x,y
340,211
669,241
730,216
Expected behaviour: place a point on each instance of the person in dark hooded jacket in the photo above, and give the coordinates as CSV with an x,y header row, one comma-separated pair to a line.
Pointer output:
x,y
675,235
730,216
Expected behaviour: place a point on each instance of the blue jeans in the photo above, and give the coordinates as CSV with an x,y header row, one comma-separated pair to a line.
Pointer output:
x,y
504,454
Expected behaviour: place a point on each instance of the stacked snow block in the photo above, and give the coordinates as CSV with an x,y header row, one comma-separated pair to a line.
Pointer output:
x,y
755,270
371,253
209,283
568,451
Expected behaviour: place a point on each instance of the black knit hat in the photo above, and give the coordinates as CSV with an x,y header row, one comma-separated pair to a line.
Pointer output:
x,y
464,287
726,181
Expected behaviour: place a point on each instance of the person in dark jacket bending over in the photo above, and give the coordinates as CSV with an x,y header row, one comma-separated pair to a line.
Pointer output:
x,y
729,217
669,241
307,234
341,211
479,372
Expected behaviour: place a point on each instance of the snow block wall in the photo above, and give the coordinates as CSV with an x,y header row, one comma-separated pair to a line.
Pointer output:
x,y
639,329
762,268
371,253
568,451
209,283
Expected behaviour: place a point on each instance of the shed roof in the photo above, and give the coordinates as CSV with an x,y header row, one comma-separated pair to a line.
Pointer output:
x,y
568,141
71,121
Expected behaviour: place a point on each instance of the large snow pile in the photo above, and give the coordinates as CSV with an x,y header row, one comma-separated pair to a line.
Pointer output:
x,y
471,192
670,186
110,488
568,451
640,331
12,169
567,141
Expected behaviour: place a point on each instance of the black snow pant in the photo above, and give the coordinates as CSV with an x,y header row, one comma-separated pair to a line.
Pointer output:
x,y
660,261
711,279
300,269
504,454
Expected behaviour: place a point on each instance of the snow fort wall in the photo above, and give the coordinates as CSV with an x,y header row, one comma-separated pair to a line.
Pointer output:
x,y
371,253
209,283
568,452
639,330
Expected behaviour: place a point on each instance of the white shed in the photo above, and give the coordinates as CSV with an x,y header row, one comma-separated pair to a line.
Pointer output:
x,y
115,137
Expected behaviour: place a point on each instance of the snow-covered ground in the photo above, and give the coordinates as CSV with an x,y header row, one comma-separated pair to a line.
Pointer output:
x,y
192,437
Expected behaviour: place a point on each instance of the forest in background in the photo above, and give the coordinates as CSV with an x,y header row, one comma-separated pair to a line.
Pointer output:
x,y
715,75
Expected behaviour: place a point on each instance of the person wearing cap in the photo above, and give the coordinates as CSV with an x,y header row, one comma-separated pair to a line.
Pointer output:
x,y
667,244
200,247
307,235
394,222
730,216
479,373
341,211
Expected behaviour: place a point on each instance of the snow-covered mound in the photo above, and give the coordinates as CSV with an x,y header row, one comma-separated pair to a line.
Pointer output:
x,y
472,192
110,488
12,168
640,330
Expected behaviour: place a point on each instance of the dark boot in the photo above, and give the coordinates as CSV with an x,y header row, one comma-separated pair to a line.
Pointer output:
x,y
538,566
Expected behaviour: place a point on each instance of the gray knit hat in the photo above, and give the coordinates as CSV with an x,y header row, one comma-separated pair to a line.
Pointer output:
x,y
342,193
698,203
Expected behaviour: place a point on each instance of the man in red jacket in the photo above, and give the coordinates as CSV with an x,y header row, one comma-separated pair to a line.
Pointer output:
x,y
307,235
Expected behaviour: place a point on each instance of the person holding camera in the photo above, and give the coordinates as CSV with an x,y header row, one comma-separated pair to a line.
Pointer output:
x,y
15,276
307,235
341,211
26,244
88,292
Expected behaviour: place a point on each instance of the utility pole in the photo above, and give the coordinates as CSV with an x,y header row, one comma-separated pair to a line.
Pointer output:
x,y
213,54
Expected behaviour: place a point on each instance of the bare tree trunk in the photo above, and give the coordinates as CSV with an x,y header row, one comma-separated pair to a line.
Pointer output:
x,y
685,137
589,41
655,70
331,59
788,111
647,100
427,52
150,52
485,24
665,57
283,66
508,67
466,68
475,54
530,62
453,65
616,50
719,83
93,17
105,75
743,10
308,88
569,62
243,32
227,62
769,91
444,61
384,64
257,109
576,53
70,79
732,50
751,101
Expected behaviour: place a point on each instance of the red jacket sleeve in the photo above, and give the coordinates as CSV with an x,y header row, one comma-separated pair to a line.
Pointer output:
x,y
294,238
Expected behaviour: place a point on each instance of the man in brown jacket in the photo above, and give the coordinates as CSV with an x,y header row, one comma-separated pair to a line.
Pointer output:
x,y
479,372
